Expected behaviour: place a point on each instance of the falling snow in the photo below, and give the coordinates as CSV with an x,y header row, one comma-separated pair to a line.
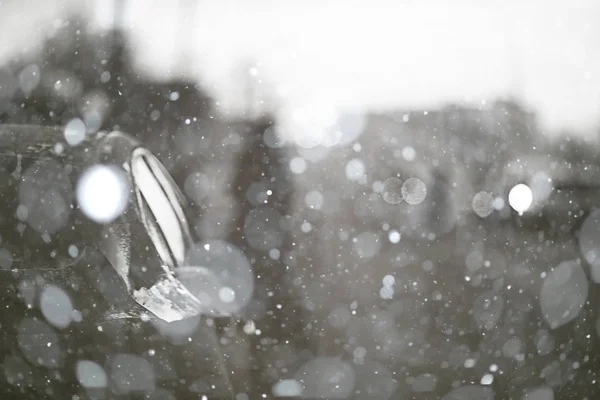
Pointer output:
x,y
157,242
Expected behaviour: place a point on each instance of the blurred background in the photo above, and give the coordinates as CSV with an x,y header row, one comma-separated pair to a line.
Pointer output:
x,y
401,196
350,55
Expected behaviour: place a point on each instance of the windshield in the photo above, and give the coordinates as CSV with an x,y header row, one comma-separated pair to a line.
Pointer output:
x,y
347,200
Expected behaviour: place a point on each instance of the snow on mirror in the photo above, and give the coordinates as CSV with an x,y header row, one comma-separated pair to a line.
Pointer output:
x,y
409,153
219,275
424,383
355,170
563,294
56,306
487,379
45,195
589,243
373,380
75,132
520,198
326,377
392,190
29,78
414,191
367,245
262,228
178,332
17,371
287,388
470,393
483,204
40,344
131,373
487,309
103,193
298,165
541,186
91,375
314,199
541,393
394,236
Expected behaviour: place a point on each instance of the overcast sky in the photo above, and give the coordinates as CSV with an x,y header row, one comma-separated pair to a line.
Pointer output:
x,y
361,54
